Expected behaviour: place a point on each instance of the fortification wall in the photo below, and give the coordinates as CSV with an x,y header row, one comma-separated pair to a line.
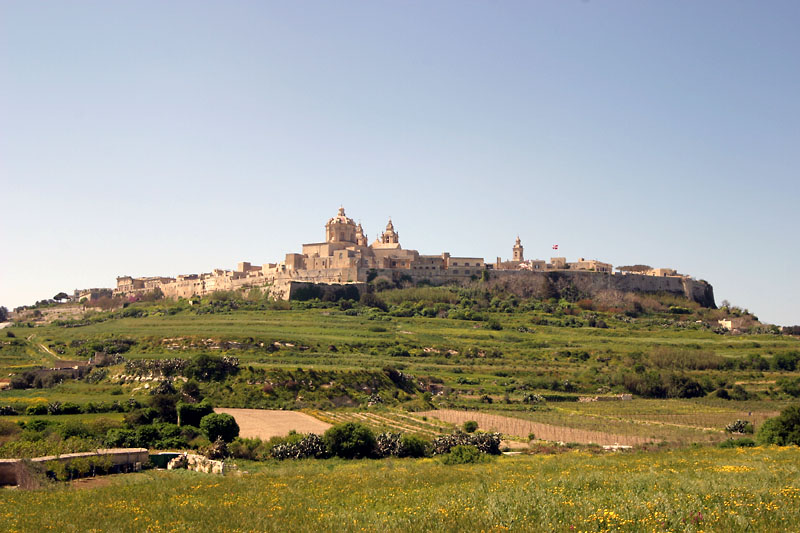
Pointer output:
x,y
527,283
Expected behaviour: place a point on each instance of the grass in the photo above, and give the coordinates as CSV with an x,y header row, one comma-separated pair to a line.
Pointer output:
x,y
464,360
695,489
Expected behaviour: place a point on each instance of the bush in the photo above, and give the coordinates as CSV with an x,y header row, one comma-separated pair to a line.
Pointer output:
x,y
219,425
485,442
350,440
369,299
164,405
464,454
739,426
36,410
252,449
722,393
470,426
413,446
388,445
786,361
494,325
737,443
192,413
141,417
782,430
311,445
207,367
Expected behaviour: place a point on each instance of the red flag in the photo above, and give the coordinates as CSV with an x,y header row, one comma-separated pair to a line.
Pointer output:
x,y
555,247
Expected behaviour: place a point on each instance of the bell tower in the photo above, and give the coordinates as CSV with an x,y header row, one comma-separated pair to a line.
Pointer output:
x,y
516,251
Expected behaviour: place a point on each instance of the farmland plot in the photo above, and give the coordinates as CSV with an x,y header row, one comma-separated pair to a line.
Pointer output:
x,y
265,424
522,428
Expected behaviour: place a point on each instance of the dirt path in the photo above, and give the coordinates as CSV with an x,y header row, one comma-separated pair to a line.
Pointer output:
x,y
265,424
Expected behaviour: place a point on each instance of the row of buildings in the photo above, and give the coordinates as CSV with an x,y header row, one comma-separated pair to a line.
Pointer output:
x,y
345,256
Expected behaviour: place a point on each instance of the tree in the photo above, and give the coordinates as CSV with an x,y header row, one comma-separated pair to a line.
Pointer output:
x,y
3,313
164,405
371,300
350,440
782,430
61,296
207,367
786,361
470,426
220,425
191,414
634,268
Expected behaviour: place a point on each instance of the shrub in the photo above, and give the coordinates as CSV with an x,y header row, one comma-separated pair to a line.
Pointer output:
x,y
485,442
464,454
388,445
141,417
146,436
252,449
533,398
36,410
311,445
739,393
350,440
739,426
737,443
219,425
786,361
790,386
164,405
413,446
494,325
782,430
207,367
371,300
216,450
192,413
470,426
722,394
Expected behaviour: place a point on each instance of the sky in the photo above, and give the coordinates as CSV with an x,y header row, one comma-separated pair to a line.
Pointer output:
x,y
162,138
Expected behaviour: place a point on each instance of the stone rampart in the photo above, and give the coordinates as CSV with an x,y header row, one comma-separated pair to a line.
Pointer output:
x,y
527,283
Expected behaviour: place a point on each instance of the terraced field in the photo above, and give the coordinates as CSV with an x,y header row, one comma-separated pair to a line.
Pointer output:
x,y
523,428
396,421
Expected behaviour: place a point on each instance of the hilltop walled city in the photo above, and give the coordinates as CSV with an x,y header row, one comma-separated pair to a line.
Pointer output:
x,y
346,257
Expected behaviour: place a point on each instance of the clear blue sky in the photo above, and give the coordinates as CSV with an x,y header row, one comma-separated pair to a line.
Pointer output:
x,y
159,138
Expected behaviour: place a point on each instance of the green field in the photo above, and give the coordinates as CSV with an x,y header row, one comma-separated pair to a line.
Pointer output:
x,y
703,489
513,348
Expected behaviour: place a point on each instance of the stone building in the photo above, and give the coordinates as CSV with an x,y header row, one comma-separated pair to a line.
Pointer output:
x,y
343,257
518,262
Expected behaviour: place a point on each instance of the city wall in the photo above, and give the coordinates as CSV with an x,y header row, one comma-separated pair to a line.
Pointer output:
x,y
527,283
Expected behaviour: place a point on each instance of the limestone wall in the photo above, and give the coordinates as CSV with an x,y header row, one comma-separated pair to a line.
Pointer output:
x,y
594,282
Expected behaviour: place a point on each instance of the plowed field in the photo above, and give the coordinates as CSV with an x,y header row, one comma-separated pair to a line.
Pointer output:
x,y
522,428
264,423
